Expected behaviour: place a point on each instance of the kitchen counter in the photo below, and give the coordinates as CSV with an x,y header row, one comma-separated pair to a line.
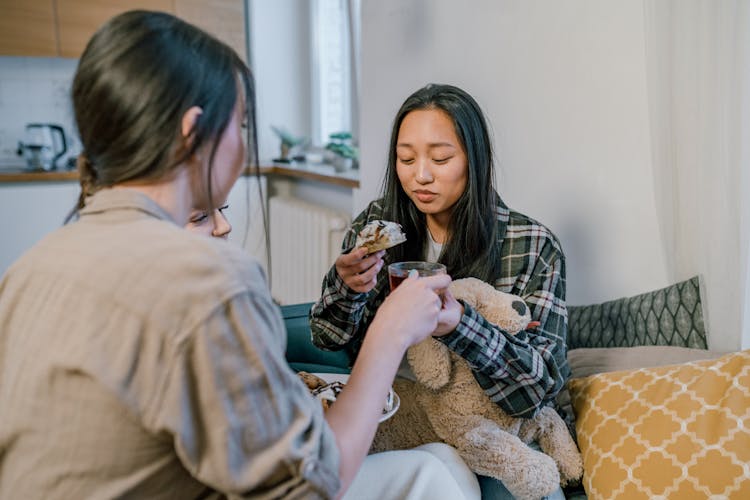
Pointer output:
x,y
19,175
321,173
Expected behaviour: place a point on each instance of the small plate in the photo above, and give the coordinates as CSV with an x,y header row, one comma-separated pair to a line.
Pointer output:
x,y
343,378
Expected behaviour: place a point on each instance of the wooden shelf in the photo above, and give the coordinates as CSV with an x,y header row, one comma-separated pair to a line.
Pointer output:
x,y
55,176
316,174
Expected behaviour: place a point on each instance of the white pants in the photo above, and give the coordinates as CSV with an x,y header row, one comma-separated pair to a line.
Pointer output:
x,y
431,471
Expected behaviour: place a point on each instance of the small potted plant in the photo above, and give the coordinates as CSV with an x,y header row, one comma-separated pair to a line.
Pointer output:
x,y
344,153
288,141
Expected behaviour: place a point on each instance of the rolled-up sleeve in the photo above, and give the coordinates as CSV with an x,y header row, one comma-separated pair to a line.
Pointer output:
x,y
340,317
242,421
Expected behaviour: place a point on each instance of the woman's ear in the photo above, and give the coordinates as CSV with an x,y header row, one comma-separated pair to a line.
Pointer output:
x,y
189,121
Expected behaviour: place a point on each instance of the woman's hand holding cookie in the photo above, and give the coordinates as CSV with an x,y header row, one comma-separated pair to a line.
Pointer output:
x,y
359,270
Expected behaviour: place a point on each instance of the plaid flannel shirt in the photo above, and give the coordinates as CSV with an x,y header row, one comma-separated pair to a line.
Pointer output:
x,y
519,372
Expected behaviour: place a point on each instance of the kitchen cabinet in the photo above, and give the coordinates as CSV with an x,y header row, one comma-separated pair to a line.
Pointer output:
x,y
225,19
63,27
77,20
27,27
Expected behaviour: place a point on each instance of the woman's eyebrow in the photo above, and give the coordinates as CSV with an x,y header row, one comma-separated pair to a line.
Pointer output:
x,y
429,145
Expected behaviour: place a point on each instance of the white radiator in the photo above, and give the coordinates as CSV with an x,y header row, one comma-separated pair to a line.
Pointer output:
x,y
305,242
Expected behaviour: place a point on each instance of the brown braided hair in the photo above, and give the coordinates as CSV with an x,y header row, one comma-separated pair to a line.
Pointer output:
x,y
87,179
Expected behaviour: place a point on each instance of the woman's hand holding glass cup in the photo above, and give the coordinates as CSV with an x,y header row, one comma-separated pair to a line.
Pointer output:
x,y
451,309
414,310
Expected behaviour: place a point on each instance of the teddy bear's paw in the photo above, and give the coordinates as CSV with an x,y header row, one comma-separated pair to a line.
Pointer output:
x,y
555,440
540,478
534,483
571,470
525,472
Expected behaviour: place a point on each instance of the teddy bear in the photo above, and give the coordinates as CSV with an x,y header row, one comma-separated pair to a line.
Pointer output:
x,y
447,404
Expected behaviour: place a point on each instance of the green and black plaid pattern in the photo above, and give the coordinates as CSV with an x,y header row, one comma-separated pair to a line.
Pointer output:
x,y
520,373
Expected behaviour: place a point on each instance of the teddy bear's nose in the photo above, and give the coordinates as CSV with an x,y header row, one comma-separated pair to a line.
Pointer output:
x,y
519,306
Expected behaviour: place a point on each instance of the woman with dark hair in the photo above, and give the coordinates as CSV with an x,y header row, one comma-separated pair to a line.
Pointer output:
x,y
140,360
439,187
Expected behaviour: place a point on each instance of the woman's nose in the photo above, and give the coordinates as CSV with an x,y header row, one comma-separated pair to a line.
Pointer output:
x,y
424,174
222,227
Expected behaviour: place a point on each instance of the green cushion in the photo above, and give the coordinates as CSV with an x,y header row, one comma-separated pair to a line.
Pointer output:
x,y
301,353
670,316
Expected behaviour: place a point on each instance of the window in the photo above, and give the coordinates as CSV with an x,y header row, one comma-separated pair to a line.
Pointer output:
x,y
335,34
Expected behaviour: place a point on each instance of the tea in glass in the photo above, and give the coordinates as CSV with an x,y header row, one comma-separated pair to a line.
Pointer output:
x,y
399,271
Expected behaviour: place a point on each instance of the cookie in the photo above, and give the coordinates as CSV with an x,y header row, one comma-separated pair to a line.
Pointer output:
x,y
380,235
311,381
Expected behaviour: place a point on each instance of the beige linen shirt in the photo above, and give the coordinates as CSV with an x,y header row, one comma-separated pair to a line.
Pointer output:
x,y
138,360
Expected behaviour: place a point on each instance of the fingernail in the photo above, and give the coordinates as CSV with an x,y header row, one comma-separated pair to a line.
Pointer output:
x,y
413,273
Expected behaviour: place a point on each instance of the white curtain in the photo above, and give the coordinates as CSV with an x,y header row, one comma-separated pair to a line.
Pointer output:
x,y
698,56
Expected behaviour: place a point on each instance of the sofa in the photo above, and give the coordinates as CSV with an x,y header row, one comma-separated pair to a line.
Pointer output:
x,y
301,353
655,413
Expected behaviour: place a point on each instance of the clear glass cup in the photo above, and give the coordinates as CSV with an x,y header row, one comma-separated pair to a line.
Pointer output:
x,y
399,271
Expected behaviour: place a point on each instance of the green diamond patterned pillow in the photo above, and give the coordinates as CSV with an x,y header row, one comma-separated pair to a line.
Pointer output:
x,y
670,316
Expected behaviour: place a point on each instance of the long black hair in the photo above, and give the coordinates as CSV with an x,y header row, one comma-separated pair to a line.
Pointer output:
x,y
470,248
139,74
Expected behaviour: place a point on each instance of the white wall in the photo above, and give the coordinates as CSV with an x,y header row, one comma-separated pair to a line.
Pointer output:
x,y
245,213
564,87
280,59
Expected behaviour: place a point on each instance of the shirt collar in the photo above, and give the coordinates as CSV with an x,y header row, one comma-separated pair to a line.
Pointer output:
x,y
120,198
503,215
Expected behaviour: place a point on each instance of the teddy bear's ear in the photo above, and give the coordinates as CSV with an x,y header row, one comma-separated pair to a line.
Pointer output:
x,y
505,310
466,289
430,361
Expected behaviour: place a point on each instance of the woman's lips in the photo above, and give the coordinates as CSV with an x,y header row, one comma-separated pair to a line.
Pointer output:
x,y
425,196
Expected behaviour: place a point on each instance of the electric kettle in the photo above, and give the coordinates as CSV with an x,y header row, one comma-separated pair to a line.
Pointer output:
x,y
45,144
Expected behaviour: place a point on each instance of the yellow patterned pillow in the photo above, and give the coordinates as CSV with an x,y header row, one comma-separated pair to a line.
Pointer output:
x,y
680,431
